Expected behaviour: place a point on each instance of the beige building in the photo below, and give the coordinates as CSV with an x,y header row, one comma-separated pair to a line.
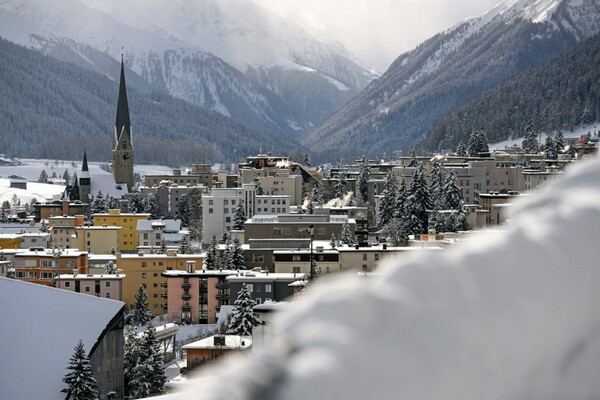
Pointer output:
x,y
146,269
128,237
106,286
97,239
62,229
490,202
535,179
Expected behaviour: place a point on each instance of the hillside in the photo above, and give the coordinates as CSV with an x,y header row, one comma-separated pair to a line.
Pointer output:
x,y
49,109
560,95
451,69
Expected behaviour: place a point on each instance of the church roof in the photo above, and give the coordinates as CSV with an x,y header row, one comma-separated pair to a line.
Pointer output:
x,y
122,120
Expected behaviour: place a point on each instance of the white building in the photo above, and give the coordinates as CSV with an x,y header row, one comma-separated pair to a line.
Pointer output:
x,y
151,233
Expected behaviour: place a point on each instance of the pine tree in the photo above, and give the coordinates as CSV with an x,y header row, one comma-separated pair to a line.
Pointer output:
x,y
461,150
135,203
482,143
316,197
239,217
151,206
340,186
243,319
163,247
452,194
387,204
396,233
333,241
183,210
152,371
439,175
550,148
439,222
141,313
413,220
236,255
98,204
363,180
461,222
472,145
420,200
184,247
530,143
346,235
80,378
559,142
413,158
211,254
66,176
43,178
401,195
259,190
131,355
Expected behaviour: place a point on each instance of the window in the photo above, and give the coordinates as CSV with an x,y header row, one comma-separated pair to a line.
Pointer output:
x,y
225,202
226,210
144,275
155,274
296,270
277,231
250,287
258,300
227,219
86,289
233,202
295,258
158,236
210,210
107,284
155,285
26,274
287,231
67,284
365,257
376,256
144,264
365,268
46,275
107,295
145,236
268,288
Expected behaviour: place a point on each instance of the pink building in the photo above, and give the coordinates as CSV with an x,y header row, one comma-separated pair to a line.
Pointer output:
x,y
196,297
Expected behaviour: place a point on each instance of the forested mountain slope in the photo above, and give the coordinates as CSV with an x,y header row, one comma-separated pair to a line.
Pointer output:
x,y
49,109
560,95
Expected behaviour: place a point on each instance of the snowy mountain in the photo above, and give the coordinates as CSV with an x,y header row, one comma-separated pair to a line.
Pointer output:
x,y
228,56
451,69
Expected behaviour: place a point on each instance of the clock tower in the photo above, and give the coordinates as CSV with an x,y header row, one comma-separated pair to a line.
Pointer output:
x,y
122,144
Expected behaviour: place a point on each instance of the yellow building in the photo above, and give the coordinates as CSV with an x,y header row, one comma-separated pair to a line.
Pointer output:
x,y
97,239
128,238
145,269
10,241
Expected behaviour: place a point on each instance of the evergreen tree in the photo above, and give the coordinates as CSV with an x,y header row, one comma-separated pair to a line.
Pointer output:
x,y
413,158
340,186
559,142
461,221
452,222
163,247
530,143
239,217
461,150
243,319
439,175
421,201
135,203
236,255
113,203
413,222
66,176
364,175
110,268
346,235
333,241
396,233
478,143
401,195
211,254
482,143
131,356
309,208
183,210
259,190
439,222
184,247
73,189
151,206
141,313
316,197
550,148
387,203
80,378
99,205
452,194
152,371
43,178
54,176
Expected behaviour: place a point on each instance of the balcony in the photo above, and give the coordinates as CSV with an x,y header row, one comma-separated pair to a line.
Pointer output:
x,y
163,285
164,295
222,285
186,296
186,308
222,296
186,285
165,306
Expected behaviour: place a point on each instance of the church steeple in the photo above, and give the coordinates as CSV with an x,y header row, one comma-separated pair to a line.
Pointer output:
x,y
85,180
123,123
122,153
84,166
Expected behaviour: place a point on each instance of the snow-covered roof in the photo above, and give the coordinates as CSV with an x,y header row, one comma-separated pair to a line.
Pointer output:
x,y
261,276
511,315
231,342
171,225
91,277
41,326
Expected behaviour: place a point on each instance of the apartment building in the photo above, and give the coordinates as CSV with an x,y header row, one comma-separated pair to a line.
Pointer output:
x,y
152,233
128,237
97,239
99,285
42,266
145,269
263,286
43,211
168,195
62,230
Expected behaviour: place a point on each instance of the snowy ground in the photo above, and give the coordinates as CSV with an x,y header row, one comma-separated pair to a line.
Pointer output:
x,y
574,134
31,169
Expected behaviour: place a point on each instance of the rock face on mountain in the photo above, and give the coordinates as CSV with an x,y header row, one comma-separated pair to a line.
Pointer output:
x,y
229,56
450,69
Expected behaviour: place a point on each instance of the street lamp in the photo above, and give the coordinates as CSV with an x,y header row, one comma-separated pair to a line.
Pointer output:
x,y
311,274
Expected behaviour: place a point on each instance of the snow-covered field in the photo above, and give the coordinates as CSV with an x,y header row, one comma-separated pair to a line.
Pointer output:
x,y
574,134
31,169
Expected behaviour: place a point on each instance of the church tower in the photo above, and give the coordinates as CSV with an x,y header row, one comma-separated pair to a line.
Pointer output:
x,y
84,180
122,146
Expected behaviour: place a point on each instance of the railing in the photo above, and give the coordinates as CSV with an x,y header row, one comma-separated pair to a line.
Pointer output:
x,y
186,296
186,285
222,285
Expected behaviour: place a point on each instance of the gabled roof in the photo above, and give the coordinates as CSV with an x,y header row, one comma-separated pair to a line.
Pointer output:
x,y
41,326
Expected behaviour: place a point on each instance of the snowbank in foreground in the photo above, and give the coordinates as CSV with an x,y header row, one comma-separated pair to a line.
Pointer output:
x,y
508,316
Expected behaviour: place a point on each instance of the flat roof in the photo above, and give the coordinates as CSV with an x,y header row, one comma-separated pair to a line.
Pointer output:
x,y
231,342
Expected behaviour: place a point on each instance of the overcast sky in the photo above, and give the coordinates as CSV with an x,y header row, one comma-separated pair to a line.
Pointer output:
x,y
378,31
